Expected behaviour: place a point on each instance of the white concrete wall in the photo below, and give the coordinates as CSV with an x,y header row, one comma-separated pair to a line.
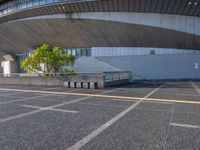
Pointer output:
x,y
184,66
9,67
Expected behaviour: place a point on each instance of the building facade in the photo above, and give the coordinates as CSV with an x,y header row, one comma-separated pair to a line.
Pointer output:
x,y
154,39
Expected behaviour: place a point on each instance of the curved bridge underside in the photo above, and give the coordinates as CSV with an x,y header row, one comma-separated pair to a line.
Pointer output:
x,y
175,7
101,30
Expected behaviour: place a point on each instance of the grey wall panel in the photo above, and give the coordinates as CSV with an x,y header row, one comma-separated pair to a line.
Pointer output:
x,y
91,64
127,51
147,67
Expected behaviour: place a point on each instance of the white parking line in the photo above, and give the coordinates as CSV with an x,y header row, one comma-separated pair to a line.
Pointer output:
x,y
81,99
188,95
89,137
51,88
54,106
61,110
20,116
126,100
168,129
61,88
49,108
164,103
105,105
23,99
185,125
195,87
107,96
29,98
11,94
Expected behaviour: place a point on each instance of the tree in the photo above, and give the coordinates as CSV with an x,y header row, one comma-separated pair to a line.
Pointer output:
x,y
51,58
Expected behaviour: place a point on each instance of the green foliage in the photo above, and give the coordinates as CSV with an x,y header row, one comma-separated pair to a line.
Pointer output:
x,y
51,58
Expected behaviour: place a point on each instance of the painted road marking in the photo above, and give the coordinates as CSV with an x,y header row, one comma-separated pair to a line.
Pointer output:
x,y
49,108
60,88
106,96
168,129
39,110
11,94
23,99
20,116
195,87
51,88
146,101
89,137
94,104
188,95
29,98
164,103
185,125
54,106
81,99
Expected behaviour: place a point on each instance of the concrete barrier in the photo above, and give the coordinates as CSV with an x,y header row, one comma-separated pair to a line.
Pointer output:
x,y
72,84
85,85
87,81
82,80
93,85
16,80
80,85
67,84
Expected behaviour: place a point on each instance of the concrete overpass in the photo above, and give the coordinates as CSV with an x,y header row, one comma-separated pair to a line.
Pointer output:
x,y
102,23
105,29
173,24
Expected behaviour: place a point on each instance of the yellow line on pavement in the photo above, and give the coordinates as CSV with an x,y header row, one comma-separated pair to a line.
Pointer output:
x,y
121,98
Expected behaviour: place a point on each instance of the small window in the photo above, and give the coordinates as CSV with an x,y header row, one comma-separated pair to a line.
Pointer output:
x,y
196,65
88,52
152,52
83,52
78,53
74,52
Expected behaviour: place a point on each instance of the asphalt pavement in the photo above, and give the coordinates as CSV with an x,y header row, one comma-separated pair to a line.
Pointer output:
x,y
142,116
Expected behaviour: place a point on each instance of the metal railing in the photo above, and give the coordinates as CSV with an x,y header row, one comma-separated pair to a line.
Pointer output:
x,y
116,76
